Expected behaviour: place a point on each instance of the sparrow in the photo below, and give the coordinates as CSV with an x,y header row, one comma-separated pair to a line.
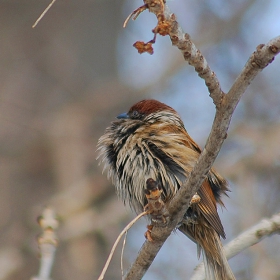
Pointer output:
x,y
150,141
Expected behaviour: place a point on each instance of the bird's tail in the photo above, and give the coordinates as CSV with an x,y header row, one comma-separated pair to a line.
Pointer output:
x,y
215,261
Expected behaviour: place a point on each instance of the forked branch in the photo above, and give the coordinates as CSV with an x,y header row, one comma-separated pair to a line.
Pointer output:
x,y
225,105
168,25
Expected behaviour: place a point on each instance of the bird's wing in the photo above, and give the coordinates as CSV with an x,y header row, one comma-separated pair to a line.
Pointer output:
x,y
208,209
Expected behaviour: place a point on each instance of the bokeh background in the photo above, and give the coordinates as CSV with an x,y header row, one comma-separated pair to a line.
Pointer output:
x,y
64,81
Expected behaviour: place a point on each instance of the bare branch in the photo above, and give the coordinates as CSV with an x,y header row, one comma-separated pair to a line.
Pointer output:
x,y
225,107
252,236
42,15
47,243
190,52
260,58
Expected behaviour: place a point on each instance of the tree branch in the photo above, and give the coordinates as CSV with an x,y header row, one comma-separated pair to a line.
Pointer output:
x,y
225,105
47,243
190,52
252,236
260,58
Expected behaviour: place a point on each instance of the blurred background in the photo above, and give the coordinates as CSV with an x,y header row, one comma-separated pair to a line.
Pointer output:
x,y
62,84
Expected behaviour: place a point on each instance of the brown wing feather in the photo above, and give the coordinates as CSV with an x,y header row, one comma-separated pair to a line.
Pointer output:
x,y
208,208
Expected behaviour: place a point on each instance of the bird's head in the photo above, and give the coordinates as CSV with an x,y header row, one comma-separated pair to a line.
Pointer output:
x,y
150,110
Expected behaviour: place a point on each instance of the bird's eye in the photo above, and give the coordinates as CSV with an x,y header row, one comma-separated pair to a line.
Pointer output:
x,y
135,115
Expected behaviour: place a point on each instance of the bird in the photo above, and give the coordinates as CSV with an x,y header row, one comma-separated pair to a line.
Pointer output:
x,y
150,141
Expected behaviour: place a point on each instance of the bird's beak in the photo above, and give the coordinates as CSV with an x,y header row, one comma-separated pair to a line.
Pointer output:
x,y
123,116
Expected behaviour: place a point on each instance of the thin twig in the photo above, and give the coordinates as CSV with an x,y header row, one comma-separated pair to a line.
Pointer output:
x,y
124,241
101,277
44,12
135,13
